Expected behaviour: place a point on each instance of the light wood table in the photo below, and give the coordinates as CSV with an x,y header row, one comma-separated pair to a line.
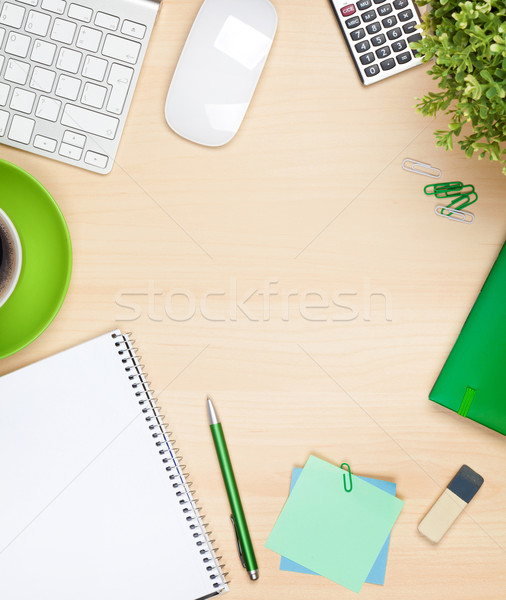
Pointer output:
x,y
309,196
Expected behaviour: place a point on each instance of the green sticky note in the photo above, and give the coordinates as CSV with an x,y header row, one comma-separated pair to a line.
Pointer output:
x,y
334,533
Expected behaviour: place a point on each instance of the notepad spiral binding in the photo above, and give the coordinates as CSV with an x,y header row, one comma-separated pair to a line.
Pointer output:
x,y
171,460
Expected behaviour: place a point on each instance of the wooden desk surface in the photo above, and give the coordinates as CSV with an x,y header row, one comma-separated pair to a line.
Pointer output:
x,y
336,355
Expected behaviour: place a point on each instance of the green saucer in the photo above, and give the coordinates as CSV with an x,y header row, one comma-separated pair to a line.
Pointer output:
x,y
46,264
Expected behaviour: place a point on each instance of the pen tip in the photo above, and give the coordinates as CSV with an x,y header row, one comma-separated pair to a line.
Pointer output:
x,y
213,417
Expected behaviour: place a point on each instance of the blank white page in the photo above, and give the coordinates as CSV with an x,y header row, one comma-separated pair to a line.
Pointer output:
x,y
87,509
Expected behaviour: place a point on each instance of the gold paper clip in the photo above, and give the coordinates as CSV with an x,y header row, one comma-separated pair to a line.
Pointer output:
x,y
412,165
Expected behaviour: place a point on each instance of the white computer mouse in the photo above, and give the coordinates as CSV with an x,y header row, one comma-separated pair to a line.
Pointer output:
x,y
219,69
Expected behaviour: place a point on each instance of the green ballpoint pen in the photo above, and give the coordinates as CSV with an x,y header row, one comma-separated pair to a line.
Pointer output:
x,y
244,544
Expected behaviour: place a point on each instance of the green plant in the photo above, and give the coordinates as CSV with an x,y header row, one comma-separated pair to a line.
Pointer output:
x,y
467,39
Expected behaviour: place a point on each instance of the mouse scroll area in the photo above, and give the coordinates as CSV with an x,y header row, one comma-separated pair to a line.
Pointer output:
x,y
219,69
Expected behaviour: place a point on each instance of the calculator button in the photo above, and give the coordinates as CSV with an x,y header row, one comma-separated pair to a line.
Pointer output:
x,y
389,22
386,9
363,4
409,27
358,34
362,46
387,64
377,40
404,58
346,11
353,22
372,70
393,34
414,38
379,1
383,52
367,59
405,15
399,4
374,28
398,46
368,16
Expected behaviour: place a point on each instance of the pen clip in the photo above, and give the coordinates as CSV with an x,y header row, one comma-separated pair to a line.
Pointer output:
x,y
239,549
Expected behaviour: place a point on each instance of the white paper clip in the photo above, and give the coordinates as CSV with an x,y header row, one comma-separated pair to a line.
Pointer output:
x,y
461,216
410,164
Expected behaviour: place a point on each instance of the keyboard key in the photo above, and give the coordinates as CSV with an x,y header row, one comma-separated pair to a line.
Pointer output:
x,y
17,71
69,60
353,22
373,28
389,22
95,159
385,9
4,117
387,64
106,21
90,121
44,143
2,59
409,27
63,31
367,59
363,4
22,100
37,23
42,79
398,46
4,93
120,78
346,11
89,39
17,44
399,4
404,58
138,31
362,46
56,6
2,34
48,108
21,129
357,34
121,49
377,40
383,52
68,87
74,139
369,16
80,13
29,2
94,95
70,151
405,15
43,52
12,15
372,70
393,34
94,68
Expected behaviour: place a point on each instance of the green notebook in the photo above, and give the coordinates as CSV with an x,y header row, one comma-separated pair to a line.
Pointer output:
x,y
473,379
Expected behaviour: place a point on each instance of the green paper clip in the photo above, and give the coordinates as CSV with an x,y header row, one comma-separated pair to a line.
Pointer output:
x,y
442,187
344,477
462,201
466,189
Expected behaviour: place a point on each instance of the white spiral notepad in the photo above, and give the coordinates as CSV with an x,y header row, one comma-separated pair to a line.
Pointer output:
x,y
94,503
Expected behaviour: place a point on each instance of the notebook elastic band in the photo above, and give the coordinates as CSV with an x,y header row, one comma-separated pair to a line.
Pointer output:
x,y
466,402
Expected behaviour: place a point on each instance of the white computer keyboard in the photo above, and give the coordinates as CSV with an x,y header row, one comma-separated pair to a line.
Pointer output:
x,y
68,71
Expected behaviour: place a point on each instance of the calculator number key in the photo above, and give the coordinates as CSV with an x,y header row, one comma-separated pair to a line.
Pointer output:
x,y
357,34
393,34
362,46
383,52
387,64
373,28
398,46
405,15
353,22
369,16
389,22
372,71
367,59
404,58
377,40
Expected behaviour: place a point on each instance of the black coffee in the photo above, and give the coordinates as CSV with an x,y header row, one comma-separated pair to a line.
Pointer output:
x,y
7,258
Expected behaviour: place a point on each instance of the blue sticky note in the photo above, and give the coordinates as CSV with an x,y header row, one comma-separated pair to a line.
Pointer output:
x,y
377,573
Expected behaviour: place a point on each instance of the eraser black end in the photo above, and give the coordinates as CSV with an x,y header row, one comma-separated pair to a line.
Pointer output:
x,y
466,483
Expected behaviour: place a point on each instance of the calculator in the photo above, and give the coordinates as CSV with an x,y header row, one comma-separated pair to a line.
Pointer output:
x,y
378,34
